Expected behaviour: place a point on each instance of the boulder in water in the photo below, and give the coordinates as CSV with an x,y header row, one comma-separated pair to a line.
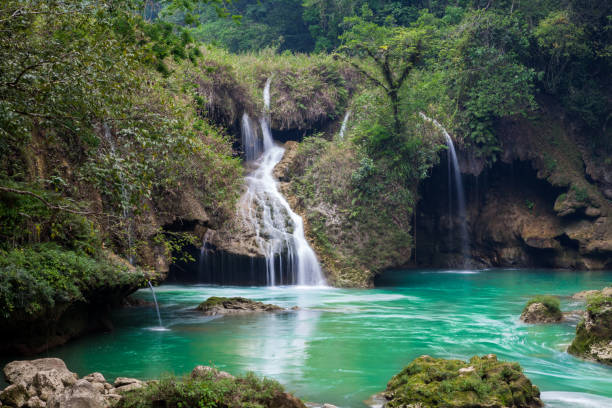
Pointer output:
x,y
481,382
235,305
593,339
542,309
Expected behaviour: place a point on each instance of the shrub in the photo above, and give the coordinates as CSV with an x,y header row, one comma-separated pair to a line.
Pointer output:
x,y
551,302
34,279
204,392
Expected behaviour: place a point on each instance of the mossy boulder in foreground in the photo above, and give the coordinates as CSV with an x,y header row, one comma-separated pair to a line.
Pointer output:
x,y
593,339
542,309
481,382
222,305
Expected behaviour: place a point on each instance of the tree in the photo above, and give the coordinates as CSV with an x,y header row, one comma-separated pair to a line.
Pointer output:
x,y
385,55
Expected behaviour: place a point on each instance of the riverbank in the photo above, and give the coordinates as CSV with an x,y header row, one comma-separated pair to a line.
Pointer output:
x,y
343,345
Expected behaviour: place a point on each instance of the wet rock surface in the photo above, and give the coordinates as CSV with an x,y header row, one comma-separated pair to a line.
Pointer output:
x,y
539,313
236,305
593,339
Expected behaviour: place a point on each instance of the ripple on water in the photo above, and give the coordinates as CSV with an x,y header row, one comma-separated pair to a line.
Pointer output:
x,y
560,399
344,345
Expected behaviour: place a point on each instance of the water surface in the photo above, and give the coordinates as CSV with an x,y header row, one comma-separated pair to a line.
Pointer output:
x,y
344,345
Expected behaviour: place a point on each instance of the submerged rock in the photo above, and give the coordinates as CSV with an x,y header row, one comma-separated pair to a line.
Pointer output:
x,y
542,309
593,339
481,382
235,305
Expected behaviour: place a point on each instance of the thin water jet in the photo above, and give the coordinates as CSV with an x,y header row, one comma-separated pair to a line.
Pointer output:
x,y
156,304
344,123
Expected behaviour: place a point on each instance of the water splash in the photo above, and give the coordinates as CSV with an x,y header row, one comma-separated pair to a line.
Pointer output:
x,y
452,155
279,230
344,123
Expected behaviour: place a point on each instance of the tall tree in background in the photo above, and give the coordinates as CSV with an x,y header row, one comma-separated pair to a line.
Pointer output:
x,y
384,55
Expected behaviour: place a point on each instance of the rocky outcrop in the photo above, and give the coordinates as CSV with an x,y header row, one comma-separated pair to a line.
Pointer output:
x,y
47,383
64,321
237,305
481,382
593,339
542,309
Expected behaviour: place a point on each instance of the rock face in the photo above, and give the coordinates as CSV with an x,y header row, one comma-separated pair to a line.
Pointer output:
x,y
236,305
593,339
544,309
481,382
47,383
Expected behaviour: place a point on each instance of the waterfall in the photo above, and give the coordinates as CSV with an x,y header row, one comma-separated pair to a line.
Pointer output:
x,y
279,230
344,122
454,163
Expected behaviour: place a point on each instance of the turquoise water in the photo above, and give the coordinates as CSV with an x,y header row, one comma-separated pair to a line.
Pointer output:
x,y
343,345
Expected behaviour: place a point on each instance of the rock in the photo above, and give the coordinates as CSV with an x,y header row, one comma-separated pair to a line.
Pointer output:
x,y
47,383
286,400
467,370
207,371
98,387
329,406
24,371
542,309
430,382
95,377
80,395
593,339
15,395
236,305
583,295
121,381
128,387
36,402
592,212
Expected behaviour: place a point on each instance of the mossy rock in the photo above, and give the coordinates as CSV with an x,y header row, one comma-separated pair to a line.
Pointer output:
x,y
235,305
481,382
542,309
593,339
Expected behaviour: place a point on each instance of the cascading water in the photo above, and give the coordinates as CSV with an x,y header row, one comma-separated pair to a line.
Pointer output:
x,y
279,231
251,142
344,122
454,163
127,215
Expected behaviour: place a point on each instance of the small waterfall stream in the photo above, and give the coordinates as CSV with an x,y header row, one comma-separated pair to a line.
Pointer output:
x,y
454,163
347,115
279,230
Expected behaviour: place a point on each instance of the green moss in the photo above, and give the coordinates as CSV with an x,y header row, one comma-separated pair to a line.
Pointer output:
x,y
207,391
552,303
485,382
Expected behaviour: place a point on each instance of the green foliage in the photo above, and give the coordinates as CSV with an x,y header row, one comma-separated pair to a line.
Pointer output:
x,y
206,392
35,279
25,219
